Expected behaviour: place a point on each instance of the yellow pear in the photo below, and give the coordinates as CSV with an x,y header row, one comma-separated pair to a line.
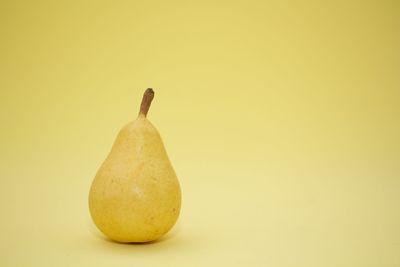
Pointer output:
x,y
135,195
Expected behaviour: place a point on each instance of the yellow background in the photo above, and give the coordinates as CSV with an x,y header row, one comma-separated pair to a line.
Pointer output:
x,y
281,118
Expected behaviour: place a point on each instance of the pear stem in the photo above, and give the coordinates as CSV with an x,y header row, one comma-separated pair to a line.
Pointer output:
x,y
146,102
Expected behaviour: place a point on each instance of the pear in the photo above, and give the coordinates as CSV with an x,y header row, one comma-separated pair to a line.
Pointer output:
x,y
135,195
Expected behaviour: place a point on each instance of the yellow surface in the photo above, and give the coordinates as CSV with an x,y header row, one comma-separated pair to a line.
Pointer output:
x,y
281,119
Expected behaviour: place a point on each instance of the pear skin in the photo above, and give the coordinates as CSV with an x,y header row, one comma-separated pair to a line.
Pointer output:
x,y
135,195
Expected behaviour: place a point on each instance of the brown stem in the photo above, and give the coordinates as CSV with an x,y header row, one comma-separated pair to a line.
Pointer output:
x,y
146,102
